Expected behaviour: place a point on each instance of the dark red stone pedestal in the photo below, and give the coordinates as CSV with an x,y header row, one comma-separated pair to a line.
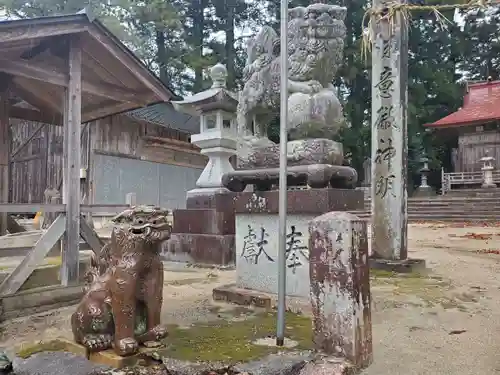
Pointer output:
x,y
203,233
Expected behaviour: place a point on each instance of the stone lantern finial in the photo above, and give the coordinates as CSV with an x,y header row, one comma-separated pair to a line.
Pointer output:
x,y
218,75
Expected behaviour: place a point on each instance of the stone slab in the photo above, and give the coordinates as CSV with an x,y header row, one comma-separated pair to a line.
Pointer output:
x,y
210,249
276,364
399,266
243,297
203,221
55,363
110,359
257,253
310,201
329,366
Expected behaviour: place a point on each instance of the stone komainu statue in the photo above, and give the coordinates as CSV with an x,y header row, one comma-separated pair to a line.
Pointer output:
x,y
123,299
315,48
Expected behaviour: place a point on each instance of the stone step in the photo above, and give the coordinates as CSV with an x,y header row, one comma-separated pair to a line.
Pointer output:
x,y
446,215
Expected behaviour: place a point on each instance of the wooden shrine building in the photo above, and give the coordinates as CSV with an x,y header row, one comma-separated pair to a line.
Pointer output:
x,y
477,128
70,71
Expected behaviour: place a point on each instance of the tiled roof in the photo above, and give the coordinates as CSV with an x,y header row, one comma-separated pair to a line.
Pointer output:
x,y
481,104
165,115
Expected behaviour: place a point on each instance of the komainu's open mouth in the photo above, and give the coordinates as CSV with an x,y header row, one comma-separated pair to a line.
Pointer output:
x,y
144,230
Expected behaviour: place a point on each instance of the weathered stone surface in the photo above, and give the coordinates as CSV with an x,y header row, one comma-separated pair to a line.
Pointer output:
x,y
316,41
256,153
311,201
312,175
203,221
329,366
200,248
178,367
222,202
276,364
55,363
340,287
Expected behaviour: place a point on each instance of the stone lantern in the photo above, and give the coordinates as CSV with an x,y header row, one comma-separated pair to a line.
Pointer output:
x,y
424,171
424,190
216,108
488,171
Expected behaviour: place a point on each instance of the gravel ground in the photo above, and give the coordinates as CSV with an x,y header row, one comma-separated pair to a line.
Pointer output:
x,y
442,325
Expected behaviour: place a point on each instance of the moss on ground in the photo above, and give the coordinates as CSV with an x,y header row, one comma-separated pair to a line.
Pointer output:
x,y
232,340
431,290
27,351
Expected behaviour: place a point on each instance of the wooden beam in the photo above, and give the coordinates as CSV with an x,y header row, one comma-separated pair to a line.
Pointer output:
x,y
17,278
91,237
96,209
72,149
4,148
34,95
27,32
96,111
36,72
34,115
132,64
27,140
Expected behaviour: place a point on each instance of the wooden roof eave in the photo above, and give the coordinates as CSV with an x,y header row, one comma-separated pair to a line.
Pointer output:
x,y
82,23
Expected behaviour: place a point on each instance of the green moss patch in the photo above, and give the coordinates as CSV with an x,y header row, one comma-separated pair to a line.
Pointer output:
x,y
48,346
232,340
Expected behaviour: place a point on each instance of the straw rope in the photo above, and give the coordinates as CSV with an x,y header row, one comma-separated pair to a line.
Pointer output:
x,y
390,10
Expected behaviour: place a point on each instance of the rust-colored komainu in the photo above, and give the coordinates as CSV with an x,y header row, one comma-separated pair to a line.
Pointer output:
x,y
122,304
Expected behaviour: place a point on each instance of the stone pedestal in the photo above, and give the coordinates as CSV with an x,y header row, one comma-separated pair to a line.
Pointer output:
x,y
256,217
204,232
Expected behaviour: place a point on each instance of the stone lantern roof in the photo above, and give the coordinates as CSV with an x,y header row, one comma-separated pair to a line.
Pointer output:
x,y
218,97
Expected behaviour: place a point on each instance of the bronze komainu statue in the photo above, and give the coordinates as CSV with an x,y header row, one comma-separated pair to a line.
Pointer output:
x,y
122,304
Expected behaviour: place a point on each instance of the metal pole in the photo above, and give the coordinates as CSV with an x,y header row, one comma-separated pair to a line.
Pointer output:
x,y
280,335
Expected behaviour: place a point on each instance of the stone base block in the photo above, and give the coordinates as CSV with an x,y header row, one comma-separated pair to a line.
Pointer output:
x,y
56,345
200,249
218,201
203,221
310,201
111,359
489,186
399,266
424,191
329,366
243,297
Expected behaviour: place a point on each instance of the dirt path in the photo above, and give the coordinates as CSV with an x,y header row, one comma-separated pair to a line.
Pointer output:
x,y
444,323
448,324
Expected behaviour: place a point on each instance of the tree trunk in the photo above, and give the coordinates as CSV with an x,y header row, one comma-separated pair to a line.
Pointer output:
x,y
161,57
230,52
198,25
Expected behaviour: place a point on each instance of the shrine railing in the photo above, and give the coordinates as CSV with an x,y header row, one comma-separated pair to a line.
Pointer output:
x,y
450,179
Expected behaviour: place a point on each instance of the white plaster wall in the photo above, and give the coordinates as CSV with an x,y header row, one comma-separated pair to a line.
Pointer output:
x,y
263,275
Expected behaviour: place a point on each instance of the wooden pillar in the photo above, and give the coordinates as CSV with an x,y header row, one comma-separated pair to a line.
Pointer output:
x,y
389,136
71,186
4,149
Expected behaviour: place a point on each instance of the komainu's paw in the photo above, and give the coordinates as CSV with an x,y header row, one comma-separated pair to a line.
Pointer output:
x,y
159,332
96,342
126,346
155,334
